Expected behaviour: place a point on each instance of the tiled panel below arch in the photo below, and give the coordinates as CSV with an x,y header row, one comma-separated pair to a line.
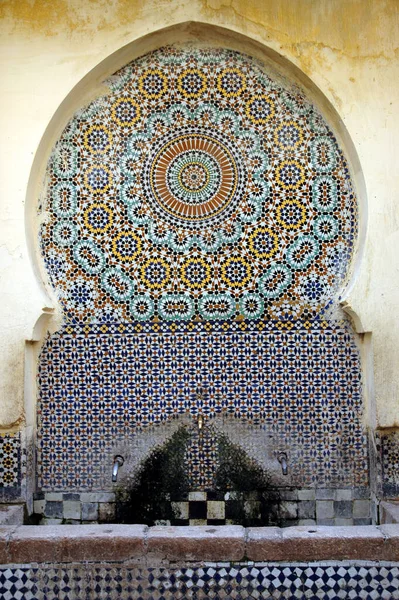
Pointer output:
x,y
300,382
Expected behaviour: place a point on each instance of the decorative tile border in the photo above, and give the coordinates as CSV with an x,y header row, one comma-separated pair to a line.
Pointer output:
x,y
12,467
389,444
10,460
314,581
322,506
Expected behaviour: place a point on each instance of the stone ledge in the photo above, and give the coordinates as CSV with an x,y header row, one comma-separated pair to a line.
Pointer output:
x,y
69,543
200,543
391,545
5,535
313,543
157,545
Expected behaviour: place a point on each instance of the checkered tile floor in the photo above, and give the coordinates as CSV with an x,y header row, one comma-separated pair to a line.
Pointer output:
x,y
94,582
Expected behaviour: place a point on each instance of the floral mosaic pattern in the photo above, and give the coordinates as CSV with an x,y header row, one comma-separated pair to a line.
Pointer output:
x,y
201,186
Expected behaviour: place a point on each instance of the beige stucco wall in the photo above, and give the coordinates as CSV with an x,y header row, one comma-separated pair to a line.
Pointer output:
x,y
348,48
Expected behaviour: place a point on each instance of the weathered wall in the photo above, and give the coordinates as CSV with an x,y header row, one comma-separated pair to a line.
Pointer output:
x,y
348,48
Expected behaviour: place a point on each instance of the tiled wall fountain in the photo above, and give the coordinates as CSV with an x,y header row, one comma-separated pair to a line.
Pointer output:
x,y
197,224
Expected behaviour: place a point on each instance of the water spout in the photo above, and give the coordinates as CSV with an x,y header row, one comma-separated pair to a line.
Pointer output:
x,y
118,462
200,422
282,459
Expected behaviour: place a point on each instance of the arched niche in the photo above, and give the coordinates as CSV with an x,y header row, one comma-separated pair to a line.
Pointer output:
x,y
198,191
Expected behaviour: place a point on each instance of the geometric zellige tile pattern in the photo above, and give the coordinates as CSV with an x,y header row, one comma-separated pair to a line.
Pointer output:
x,y
277,581
201,185
10,460
99,383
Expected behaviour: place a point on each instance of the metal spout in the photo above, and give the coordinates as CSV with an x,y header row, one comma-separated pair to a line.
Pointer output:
x,y
118,462
282,459
200,422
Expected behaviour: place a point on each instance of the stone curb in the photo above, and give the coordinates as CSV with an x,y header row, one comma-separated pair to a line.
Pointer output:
x,y
306,544
157,545
74,543
200,543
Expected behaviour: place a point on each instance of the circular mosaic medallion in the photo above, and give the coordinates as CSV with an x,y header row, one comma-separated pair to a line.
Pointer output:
x,y
204,186
194,178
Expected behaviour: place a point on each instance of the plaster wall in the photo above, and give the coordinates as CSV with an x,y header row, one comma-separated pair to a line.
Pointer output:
x,y
349,49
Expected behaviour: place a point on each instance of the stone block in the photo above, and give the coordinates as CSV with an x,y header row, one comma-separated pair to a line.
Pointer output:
x,y
306,494
197,496
233,496
89,511
324,509
39,506
54,509
391,542
326,522
288,510
306,522
203,543
315,543
289,495
389,512
106,512
361,509
97,497
53,496
361,493
251,508
307,509
264,544
343,522
89,522
344,495
46,521
72,509
74,543
5,535
343,509
196,522
325,494
331,543
180,510
11,514
215,509
70,496
71,522
363,521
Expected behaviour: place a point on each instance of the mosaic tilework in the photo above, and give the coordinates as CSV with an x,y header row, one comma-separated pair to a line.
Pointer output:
x,y
201,185
389,448
202,458
101,383
321,581
10,460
